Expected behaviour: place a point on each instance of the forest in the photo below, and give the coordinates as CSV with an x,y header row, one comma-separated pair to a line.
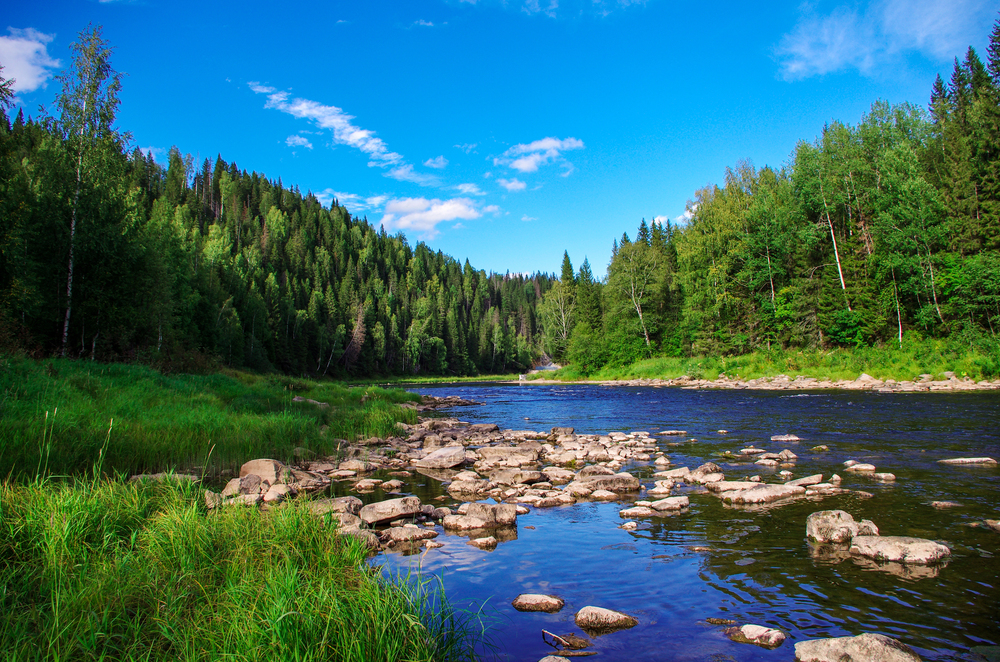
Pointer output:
x,y
872,234
107,255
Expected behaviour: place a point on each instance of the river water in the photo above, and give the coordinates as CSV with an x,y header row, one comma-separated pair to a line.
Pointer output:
x,y
751,566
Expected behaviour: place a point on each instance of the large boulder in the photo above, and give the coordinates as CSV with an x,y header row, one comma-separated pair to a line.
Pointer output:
x,y
482,516
599,619
442,458
867,647
383,512
523,455
902,549
270,471
831,526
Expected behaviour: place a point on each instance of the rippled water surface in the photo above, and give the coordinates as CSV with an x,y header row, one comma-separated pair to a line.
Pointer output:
x,y
753,566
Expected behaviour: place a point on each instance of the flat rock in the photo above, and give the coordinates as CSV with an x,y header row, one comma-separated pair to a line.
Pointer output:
x,y
489,542
970,460
785,437
620,482
758,635
538,602
346,504
730,485
861,467
764,494
637,511
442,458
831,526
941,505
383,512
671,503
806,480
901,549
399,534
867,647
599,619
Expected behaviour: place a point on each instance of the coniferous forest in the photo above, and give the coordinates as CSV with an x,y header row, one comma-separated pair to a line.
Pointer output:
x,y
870,234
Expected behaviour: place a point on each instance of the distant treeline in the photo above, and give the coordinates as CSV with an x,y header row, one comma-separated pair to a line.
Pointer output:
x,y
105,254
873,232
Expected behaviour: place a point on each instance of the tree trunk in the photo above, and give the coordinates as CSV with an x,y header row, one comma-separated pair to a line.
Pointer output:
x,y
72,240
833,236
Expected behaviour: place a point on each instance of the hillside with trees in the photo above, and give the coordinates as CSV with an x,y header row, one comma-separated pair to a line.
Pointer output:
x,y
106,255
871,233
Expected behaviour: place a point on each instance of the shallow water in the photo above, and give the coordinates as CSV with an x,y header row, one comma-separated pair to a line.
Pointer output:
x,y
759,568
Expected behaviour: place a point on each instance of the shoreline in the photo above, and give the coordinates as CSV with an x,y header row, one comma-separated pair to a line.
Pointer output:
x,y
864,382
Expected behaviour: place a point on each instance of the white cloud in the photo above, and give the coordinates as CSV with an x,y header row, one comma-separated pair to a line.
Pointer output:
x,y
686,216
157,152
423,23
298,141
470,189
354,202
406,173
872,37
438,162
491,209
529,157
422,215
512,185
468,148
528,219
334,119
661,219
25,58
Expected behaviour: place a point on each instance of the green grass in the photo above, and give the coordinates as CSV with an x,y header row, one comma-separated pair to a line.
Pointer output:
x,y
977,359
56,415
92,569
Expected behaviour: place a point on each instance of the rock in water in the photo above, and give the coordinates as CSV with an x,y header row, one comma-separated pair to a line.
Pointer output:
x,y
442,458
864,648
902,549
758,635
970,460
538,602
831,526
386,511
599,619
763,494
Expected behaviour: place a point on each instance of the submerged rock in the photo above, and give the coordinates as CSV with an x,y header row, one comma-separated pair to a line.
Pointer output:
x,y
538,602
902,549
599,619
867,647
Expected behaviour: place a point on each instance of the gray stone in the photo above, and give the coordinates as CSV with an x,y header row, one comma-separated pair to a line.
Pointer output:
x,y
902,549
443,458
277,493
970,460
399,534
637,511
806,481
346,504
758,635
867,647
671,503
488,542
785,437
538,602
270,471
212,500
383,512
232,488
831,526
620,482
599,619
763,494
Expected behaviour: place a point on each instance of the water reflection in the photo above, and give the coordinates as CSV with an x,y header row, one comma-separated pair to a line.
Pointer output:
x,y
749,565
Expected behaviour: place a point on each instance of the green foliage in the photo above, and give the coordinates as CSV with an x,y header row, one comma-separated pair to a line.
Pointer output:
x,y
126,571
61,413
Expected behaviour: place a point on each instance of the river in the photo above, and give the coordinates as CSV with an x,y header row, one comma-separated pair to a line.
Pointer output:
x,y
714,561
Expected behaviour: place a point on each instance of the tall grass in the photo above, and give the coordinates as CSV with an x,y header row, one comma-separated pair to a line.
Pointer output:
x,y
55,415
977,358
92,569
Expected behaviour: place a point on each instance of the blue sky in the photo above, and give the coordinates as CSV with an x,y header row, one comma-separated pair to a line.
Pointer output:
x,y
499,131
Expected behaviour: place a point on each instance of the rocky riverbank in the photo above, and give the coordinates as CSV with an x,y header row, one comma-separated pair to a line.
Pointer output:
x,y
864,382
493,476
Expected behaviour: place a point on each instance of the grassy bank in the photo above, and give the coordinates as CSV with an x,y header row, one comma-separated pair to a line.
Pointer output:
x,y
56,416
979,359
106,570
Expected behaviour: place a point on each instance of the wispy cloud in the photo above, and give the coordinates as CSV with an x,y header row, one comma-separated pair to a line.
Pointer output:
x,y
354,202
491,209
468,148
423,24
25,58
560,8
868,38
422,216
512,185
156,152
298,141
530,156
469,189
438,162
345,132
528,219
